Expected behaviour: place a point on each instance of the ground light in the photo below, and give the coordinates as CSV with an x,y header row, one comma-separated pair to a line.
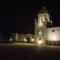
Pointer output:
x,y
10,39
25,40
39,42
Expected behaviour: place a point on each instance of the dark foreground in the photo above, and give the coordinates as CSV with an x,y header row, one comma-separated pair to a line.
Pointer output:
x,y
29,52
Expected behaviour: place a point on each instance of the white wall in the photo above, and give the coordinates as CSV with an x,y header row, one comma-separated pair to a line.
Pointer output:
x,y
53,35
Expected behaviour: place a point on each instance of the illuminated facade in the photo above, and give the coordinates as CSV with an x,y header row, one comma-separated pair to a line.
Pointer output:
x,y
41,25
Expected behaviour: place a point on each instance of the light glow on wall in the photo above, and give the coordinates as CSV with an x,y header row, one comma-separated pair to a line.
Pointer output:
x,y
40,24
52,37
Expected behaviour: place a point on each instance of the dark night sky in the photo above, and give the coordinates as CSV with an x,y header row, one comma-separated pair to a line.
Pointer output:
x,y
19,16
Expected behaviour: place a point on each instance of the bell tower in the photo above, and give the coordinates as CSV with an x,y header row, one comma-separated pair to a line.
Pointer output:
x,y
41,25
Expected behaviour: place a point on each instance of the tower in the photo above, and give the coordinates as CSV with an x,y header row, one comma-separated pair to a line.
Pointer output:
x,y
41,25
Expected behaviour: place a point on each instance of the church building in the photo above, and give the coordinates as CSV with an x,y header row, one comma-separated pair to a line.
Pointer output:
x,y
50,35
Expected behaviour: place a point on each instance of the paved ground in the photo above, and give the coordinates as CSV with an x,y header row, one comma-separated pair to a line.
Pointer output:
x,y
29,52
